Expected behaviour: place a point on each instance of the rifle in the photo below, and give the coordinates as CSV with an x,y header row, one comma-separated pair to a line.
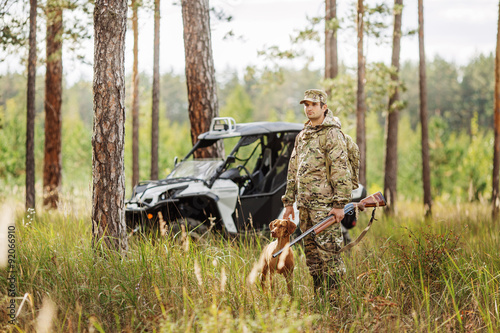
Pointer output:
x,y
375,200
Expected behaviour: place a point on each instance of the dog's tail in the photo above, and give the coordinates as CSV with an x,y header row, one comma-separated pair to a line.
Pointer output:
x,y
284,254
256,269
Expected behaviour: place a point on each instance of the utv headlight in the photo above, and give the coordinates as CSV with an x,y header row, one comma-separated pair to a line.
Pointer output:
x,y
172,192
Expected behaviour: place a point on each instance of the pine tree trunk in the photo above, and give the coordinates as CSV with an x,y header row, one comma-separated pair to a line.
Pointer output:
x,y
496,150
30,113
135,98
426,171
108,194
360,97
156,95
331,57
200,73
391,155
53,99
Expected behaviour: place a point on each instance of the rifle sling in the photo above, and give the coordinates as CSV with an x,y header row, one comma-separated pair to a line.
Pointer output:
x,y
360,237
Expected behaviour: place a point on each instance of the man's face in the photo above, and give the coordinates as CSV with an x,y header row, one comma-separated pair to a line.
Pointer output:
x,y
314,111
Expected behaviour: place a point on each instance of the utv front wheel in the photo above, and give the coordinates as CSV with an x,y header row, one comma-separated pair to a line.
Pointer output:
x,y
195,228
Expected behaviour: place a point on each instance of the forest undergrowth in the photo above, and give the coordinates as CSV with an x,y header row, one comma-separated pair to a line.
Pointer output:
x,y
408,274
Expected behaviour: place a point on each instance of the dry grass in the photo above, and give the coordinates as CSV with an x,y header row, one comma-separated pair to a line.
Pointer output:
x,y
408,274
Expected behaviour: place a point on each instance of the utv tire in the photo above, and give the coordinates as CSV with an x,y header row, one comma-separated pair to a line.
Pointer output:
x,y
195,228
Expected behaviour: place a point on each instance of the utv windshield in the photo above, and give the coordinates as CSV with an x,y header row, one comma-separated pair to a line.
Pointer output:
x,y
202,169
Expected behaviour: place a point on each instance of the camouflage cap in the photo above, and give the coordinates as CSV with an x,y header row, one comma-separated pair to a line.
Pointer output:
x,y
315,96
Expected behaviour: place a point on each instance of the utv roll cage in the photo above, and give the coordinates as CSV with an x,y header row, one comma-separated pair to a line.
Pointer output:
x,y
257,164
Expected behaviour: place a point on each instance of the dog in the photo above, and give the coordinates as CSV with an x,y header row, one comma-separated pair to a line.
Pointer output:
x,y
284,263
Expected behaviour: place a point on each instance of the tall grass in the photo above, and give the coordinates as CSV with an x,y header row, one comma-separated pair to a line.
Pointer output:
x,y
408,274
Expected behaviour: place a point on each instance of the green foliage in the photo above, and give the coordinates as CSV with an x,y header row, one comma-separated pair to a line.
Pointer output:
x,y
13,130
13,25
375,143
460,108
477,91
443,89
173,96
460,163
376,20
453,93
342,97
460,156
238,105
78,99
378,87
12,134
76,151
409,161
276,95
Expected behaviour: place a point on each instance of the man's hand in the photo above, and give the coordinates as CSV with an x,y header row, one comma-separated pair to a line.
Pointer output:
x,y
289,211
360,206
338,214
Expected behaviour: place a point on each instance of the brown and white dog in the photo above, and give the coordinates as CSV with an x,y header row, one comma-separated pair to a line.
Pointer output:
x,y
283,264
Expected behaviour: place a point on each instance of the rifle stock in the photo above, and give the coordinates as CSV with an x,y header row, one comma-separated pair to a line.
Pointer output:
x,y
374,200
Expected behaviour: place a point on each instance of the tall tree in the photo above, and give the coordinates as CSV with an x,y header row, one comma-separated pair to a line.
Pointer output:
x,y
496,150
331,57
426,171
391,155
108,193
200,72
30,114
53,99
156,94
135,97
360,96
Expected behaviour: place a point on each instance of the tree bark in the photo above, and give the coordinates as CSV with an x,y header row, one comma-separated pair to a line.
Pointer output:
x,y
53,99
360,96
200,73
391,155
496,149
108,193
331,57
30,112
426,171
135,98
156,94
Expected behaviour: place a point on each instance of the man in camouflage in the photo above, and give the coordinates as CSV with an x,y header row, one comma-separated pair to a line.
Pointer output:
x,y
317,191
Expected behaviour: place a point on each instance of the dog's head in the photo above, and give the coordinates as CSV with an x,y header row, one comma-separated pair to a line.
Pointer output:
x,y
281,228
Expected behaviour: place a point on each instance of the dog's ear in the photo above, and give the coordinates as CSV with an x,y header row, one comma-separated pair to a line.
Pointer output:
x,y
271,225
291,227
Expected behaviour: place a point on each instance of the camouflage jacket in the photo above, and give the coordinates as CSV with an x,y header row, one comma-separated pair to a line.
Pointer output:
x,y
307,175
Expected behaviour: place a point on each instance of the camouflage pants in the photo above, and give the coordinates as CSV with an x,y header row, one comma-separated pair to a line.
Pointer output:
x,y
322,257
